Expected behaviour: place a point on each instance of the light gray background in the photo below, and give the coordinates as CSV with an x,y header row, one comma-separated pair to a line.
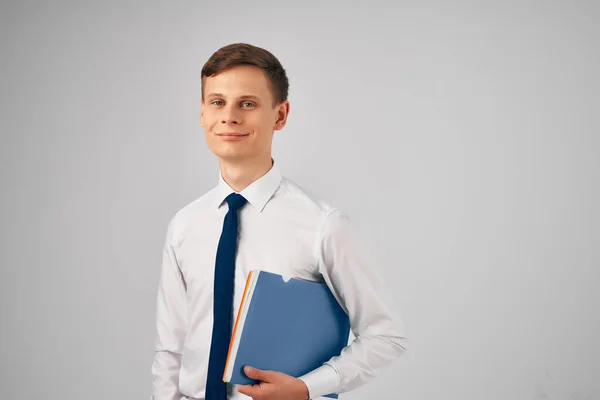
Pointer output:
x,y
460,137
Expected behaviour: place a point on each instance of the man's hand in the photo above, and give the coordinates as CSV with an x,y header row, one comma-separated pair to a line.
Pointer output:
x,y
273,386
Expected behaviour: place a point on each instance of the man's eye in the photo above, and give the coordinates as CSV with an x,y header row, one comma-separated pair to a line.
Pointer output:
x,y
216,101
248,102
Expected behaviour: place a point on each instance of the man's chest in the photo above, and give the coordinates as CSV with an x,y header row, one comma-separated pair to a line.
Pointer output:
x,y
285,247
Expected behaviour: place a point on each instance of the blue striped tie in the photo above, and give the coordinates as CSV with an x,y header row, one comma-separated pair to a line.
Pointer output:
x,y
216,389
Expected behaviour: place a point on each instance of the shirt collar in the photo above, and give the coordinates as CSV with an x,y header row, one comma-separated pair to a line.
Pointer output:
x,y
258,193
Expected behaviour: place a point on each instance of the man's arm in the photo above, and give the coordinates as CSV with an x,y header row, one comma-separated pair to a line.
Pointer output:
x,y
357,287
171,324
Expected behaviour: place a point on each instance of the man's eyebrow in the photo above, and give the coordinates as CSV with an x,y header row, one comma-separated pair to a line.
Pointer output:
x,y
244,96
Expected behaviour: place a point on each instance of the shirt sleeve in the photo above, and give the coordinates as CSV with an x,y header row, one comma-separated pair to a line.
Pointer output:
x,y
171,324
379,339
320,381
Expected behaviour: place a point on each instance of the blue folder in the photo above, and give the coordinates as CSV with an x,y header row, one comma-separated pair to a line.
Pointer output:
x,y
291,327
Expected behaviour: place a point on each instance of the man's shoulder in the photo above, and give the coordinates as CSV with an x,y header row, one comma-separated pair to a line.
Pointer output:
x,y
326,217
198,205
306,198
193,210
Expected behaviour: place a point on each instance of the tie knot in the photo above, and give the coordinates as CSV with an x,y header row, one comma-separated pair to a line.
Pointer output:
x,y
235,201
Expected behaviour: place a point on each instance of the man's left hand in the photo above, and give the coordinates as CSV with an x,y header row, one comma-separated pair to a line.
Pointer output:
x,y
273,386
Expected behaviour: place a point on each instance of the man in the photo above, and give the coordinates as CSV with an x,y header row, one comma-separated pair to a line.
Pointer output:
x,y
256,219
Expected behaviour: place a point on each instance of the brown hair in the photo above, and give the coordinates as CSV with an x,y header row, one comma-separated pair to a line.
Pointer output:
x,y
246,54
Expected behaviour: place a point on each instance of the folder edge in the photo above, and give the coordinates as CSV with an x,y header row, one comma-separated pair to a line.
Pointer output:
x,y
237,320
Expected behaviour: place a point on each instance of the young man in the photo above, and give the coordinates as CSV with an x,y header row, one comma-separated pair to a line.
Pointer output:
x,y
256,219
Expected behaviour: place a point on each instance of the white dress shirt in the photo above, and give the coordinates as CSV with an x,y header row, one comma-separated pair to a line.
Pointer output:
x,y
285,230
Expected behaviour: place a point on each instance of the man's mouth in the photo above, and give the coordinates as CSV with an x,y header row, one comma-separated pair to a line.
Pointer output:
x,y
232,134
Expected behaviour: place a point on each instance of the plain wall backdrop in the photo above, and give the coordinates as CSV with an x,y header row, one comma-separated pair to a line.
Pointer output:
x,y
462,137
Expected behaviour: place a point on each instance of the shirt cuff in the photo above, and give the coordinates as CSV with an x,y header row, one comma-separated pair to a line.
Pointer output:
x,y
321,381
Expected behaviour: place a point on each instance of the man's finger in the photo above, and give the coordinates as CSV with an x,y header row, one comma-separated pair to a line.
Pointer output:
x,y
248,390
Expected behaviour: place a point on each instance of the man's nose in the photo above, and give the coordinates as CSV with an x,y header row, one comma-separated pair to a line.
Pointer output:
x,y
231,115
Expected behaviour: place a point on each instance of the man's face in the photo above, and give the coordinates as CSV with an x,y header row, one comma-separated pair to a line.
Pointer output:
x,y
238,115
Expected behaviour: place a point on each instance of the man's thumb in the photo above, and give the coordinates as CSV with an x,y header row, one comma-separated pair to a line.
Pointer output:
x,y
252,372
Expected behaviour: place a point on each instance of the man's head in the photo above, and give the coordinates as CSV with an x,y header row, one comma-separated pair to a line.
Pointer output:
x,y
244,91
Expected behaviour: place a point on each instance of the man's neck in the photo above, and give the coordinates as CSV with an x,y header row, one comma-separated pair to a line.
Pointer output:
x,y
240,175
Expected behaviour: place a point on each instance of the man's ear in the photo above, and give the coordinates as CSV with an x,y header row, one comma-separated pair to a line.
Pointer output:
x,y
282,114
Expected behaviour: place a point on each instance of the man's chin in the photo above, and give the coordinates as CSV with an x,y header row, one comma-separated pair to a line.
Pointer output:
x,y
231,156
